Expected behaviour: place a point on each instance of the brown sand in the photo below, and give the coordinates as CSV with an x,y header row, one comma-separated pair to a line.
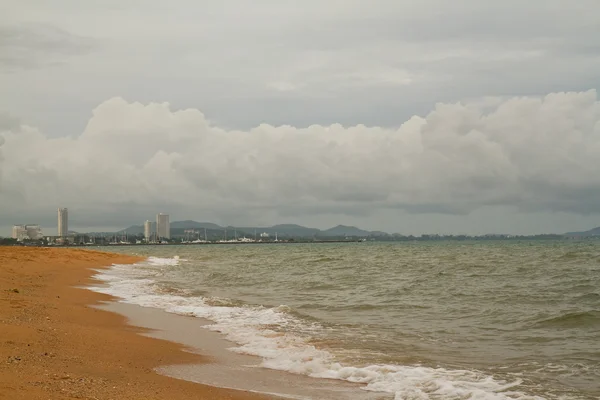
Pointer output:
x,y
54,346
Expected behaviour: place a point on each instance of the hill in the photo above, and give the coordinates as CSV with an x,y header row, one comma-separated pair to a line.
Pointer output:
x,y
188,224
343,230
591,232
134,230
282,230
214,231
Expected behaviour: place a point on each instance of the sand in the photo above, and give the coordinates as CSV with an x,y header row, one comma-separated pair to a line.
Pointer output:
x,y
54,344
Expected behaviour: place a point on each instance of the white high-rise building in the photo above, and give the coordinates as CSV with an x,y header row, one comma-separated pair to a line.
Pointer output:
x,y
19,232
23,232
147,230
163,226
34,232
63,222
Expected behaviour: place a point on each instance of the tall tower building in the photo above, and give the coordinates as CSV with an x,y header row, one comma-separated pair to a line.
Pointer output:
x,y
147,230
163,226
63,222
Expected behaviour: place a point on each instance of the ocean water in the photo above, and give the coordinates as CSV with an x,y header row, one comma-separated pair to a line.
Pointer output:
x,y
425,320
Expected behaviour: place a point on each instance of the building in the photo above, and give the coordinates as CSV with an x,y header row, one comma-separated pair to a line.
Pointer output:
x,y
25,232
19,232
34,232
147,230
163,226
63,222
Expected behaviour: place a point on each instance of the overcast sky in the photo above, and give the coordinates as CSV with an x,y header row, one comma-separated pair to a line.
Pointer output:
x,y
424,116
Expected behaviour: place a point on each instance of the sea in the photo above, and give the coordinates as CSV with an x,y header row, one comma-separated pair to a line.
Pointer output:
x,y
415,320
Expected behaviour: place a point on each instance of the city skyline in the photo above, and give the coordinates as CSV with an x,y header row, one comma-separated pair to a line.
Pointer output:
x,y
150,229
9,232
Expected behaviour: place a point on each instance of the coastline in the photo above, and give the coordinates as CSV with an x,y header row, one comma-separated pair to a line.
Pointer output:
x,y
229,369
56,343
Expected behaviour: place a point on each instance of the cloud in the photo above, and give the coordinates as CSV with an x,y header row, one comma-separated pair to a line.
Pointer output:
x,y
33,45
133,159
8,123
243,63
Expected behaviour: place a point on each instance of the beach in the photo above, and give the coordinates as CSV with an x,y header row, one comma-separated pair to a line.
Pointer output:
x,y
494,321
55,343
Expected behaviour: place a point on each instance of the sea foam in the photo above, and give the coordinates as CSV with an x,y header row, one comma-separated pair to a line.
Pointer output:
x,y
261,331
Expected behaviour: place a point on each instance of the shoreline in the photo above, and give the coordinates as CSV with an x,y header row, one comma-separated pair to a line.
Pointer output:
x,y
109,245
227,369
249,376
56,343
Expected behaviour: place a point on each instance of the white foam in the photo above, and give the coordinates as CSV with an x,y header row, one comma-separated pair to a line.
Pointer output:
x,y
252,329
164,261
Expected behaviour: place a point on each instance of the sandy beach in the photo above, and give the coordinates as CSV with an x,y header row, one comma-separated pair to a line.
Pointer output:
x,y
55,345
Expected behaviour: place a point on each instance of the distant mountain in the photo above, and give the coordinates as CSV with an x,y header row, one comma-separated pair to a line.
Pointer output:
x,y
188,224
134,230
343,230
591,232
178,228
282,230
379,233
295,230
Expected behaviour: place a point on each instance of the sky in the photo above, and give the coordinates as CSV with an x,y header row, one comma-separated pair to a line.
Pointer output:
x,y
423,116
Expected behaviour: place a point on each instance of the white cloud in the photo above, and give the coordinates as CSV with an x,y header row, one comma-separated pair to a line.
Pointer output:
x,y
537,154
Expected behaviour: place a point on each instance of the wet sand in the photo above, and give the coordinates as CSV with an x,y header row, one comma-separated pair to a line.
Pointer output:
x,y
230,369
56,344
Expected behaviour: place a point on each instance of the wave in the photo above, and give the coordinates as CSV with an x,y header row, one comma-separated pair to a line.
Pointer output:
x,y
164,261
317,285
572,255
571,320
324,260
283,341
589,297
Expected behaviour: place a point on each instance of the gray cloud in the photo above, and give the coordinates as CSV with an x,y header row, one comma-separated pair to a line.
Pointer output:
x,y
35,45
535,154
8,123
350,62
